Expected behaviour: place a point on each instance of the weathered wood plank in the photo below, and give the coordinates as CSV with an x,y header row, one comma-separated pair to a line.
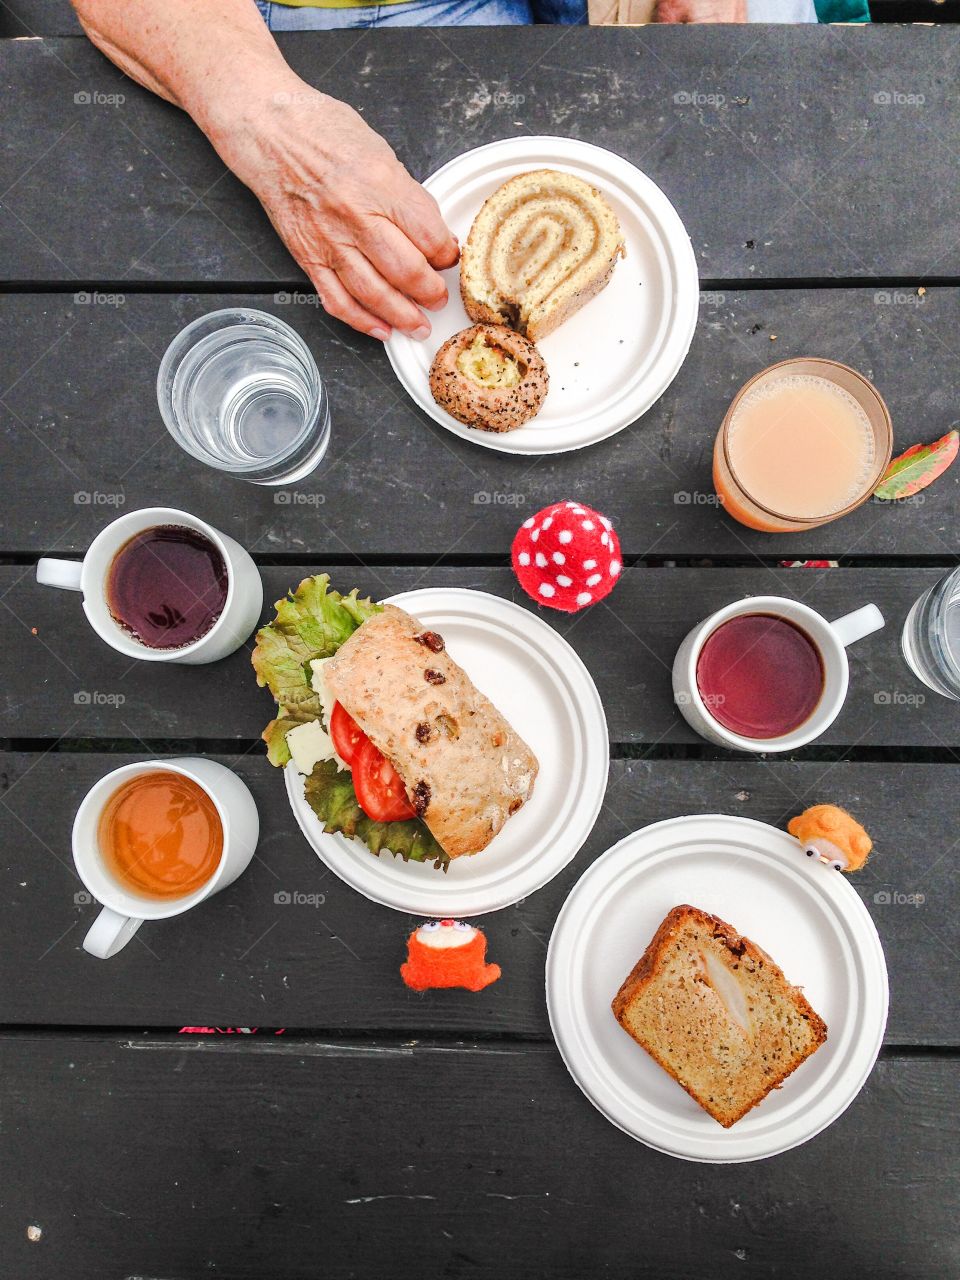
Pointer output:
x,y
773,176
44,18
243,959
79,417
69,683
303,1160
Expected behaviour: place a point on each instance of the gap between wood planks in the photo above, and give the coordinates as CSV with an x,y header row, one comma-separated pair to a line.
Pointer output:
x,y
485,560
817,753
734,284
325,1043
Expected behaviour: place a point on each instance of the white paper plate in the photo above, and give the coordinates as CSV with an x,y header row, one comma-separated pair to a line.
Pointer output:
x,y
615,357
534,677
757,879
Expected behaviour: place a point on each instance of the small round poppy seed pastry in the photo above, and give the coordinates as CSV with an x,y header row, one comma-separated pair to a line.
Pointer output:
x,y
489,377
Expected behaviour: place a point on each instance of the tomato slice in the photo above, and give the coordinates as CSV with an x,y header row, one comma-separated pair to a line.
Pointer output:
x,y
347,735
380,790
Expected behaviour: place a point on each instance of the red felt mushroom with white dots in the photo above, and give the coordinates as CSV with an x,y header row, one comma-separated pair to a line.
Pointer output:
x,y
567,556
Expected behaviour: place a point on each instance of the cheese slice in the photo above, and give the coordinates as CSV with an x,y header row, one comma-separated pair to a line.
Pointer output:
x,y
309,743
327,701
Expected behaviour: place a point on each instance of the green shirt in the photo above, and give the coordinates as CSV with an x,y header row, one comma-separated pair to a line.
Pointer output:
x,y
842,10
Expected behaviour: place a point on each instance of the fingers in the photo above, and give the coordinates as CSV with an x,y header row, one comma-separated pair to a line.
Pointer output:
x,y
338,303
402,264
418,215
372,291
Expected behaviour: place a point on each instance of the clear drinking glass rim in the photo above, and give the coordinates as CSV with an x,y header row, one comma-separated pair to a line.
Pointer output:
x,y
939,613
179,344
834,364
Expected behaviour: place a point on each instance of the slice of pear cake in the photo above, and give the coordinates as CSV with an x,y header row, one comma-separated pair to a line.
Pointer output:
x,y
713,1009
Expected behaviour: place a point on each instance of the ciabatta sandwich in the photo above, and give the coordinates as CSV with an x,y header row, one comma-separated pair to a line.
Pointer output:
x,y
400,748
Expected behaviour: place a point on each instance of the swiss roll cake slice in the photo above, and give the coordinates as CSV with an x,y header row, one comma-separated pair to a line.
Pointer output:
x,y
541,247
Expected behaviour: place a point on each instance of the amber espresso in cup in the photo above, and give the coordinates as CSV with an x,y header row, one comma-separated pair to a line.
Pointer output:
x,y
803,443
160,835
155,838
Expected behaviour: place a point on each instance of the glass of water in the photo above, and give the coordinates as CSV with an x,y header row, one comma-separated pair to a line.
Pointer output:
x,y
931,637
239,390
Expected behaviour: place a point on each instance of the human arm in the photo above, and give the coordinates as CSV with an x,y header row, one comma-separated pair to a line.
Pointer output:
x,y
369,237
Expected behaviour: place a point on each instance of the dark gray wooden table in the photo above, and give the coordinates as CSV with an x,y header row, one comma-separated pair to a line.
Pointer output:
x,y
385,1133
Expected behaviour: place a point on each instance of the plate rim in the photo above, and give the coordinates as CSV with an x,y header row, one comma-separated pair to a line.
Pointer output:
x,y
683,253
870,936
592,707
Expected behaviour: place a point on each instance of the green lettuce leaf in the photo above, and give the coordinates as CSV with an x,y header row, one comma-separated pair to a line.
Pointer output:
x,y
331,796
275,736
311,622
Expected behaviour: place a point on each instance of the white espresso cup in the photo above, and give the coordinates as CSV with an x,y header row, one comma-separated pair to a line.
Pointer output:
x,y
124,911
241,610
830,638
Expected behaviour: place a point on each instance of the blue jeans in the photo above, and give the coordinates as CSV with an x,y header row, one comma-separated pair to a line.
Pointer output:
x,y
425,13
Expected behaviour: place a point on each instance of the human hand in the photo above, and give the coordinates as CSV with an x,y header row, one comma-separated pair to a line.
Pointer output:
x,y
369,237
700,11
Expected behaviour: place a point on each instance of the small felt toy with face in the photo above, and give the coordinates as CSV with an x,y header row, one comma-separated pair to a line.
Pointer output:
x,y
829,833
447,953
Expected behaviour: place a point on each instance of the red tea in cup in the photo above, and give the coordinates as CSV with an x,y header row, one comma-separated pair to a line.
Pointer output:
x,y
760,676
167,586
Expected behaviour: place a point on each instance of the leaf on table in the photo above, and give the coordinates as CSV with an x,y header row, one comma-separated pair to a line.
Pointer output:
x,y
918,467
330,794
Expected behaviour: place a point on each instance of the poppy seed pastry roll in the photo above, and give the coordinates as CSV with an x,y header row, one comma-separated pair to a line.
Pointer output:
x,y
540,248
464,768
489,377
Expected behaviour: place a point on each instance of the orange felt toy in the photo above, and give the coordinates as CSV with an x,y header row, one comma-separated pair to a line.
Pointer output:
x,y
447,953
829,833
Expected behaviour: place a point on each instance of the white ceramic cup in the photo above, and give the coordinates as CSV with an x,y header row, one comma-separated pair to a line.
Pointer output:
x,y
831,639
241,611
123,911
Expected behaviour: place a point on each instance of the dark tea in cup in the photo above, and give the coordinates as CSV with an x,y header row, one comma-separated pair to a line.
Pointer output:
x,y
760,676
167,586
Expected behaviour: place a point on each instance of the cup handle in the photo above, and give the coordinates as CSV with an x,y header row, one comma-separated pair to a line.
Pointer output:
x,y
59,573
854,626
109,933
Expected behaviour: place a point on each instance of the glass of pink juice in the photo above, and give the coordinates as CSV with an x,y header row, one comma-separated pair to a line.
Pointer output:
x,y
802,443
